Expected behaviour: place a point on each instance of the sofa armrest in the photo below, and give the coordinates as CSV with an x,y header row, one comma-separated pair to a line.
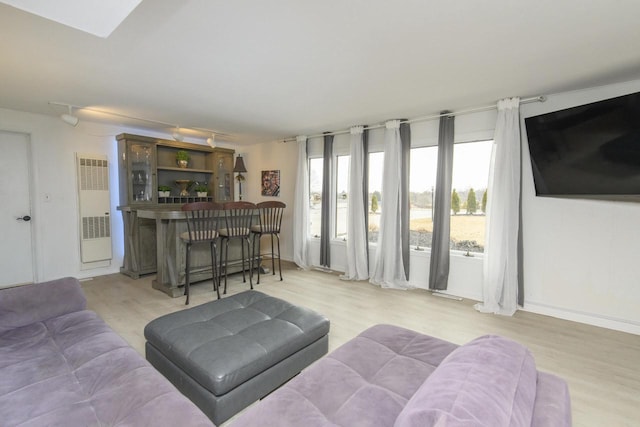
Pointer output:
x,y
490,381
23,305
553,404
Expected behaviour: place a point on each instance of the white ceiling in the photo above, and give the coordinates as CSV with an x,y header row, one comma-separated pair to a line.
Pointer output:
x,y
262,70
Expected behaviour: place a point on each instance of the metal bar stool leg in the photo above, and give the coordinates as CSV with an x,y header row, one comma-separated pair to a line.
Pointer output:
x,y
226,257
279,259
250,262
253,253
186,274
214,272
244,279
273,261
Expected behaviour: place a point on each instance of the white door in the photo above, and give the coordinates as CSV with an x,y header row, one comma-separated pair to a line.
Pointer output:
x,y
16,255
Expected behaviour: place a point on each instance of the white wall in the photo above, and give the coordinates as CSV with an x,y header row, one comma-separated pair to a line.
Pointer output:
x,y
55,223
581,256
273,156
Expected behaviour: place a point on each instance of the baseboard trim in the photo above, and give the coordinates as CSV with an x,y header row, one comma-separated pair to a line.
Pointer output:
x,y
583,317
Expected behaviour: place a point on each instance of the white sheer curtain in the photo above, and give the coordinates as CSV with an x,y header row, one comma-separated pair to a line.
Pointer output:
x,y
357,245
301,207
389,267
500,275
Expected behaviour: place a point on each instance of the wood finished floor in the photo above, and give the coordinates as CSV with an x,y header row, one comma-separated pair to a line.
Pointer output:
x,y
601,366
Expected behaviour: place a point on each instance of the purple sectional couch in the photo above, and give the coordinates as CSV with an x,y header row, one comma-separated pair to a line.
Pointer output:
x,y
390,376
61,365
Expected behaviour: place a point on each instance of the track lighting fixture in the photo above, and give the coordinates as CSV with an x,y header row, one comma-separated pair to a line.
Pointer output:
x,y
72,120
69,118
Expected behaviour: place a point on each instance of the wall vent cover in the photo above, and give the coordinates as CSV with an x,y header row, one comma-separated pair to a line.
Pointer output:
x,y
94,204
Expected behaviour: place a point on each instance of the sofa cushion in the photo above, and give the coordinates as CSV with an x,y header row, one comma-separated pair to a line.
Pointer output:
x,y
491,381
365,382
73,370
23,305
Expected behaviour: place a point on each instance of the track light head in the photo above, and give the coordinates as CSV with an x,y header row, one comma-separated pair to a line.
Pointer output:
x,y
69,118
212,140
176,134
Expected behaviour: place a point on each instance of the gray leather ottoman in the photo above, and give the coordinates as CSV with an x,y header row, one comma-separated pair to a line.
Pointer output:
x,y
228,353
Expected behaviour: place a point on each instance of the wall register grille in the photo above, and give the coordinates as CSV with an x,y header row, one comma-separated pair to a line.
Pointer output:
x,y
94,204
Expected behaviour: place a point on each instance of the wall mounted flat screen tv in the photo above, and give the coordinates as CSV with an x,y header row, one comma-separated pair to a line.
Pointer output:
x,y
589,151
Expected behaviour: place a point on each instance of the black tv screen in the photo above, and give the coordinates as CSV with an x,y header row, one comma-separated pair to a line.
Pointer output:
x,y
589,151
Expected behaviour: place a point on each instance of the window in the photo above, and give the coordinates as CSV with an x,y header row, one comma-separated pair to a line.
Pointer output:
x,y
469,195
468,203
376,165
315,195
422,183
342,196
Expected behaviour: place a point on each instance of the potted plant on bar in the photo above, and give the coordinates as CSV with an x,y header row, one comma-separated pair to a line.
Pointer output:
x,y
164,191
182,157
202,190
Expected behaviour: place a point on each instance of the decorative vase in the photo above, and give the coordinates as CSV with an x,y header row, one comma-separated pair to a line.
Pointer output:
x,y
184,187
164,193
202,193
183,163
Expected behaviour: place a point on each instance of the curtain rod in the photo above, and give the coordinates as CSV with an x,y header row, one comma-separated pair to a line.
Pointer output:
x,y
539,98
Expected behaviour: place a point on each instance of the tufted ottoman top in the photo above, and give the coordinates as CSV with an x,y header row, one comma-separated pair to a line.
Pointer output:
x,y
223,343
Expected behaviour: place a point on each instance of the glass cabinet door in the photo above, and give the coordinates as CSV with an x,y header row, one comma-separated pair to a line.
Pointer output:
x,y
141,172
225,179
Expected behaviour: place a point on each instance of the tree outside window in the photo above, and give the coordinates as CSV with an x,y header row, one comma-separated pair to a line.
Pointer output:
x,y
472,205
455,202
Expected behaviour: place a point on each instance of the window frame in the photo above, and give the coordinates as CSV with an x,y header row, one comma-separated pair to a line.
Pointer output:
x,y
463,253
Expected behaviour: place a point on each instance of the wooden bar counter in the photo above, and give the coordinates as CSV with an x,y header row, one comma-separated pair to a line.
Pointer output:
x,y
153,244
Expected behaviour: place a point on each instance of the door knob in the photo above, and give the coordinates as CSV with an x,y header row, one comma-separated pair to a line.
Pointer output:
x,y
24,218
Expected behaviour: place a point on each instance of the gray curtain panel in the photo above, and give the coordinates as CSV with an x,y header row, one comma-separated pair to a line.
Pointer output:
x,y
439,263
325,224
365,184
405,140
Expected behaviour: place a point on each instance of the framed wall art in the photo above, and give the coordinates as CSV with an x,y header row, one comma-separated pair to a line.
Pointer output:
x,y
271,183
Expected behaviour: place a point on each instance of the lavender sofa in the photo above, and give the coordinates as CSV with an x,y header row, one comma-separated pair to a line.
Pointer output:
x,y
61,365
390,376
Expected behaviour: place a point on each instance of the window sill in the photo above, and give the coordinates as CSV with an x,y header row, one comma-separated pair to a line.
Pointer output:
x,y
423,252
463,254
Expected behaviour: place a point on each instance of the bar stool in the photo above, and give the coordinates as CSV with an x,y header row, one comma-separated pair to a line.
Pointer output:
x,y
270,222
202,227
237,225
